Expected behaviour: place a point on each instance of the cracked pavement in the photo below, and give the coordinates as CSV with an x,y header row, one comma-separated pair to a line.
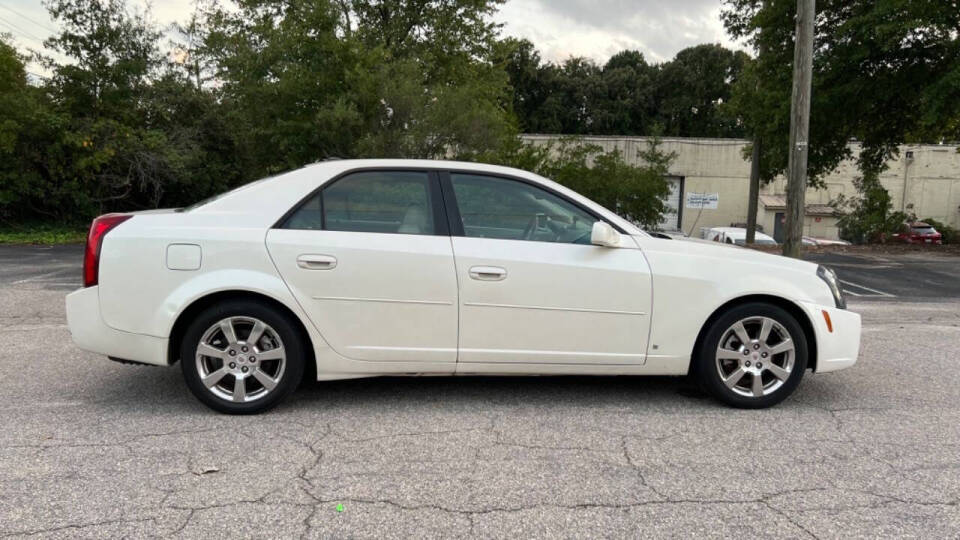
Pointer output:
x,y
91,448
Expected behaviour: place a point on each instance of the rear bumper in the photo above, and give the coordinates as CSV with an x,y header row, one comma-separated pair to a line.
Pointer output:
x,y
837,349
90,333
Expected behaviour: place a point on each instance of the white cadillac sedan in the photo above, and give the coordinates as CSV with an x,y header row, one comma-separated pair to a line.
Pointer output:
x,y
360,268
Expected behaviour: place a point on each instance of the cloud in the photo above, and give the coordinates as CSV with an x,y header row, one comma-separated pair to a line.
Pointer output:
x,y
598,29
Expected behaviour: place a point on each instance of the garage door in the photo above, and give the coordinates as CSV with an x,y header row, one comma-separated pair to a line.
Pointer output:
x,y
671,220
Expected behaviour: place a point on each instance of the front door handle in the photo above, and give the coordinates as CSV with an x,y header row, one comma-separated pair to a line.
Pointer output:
x,y
317,262
488,273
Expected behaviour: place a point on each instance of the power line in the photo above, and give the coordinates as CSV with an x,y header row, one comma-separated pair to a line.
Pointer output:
x,y
21,31
22,16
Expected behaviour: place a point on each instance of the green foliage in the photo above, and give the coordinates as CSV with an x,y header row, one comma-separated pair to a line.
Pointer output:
x,y
627,95
950,235
42,233
250,88
885,72
869,217
636,192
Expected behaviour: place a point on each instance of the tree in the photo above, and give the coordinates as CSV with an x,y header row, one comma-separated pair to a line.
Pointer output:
x,y
885,72
627,95
307,79
446,37
30,141
107,150
626,103
692,88
288,80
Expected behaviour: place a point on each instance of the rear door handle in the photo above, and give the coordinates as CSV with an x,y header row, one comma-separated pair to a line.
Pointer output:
x,y
317,262
488,273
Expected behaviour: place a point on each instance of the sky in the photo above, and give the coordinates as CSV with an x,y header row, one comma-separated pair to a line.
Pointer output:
x,y
596,29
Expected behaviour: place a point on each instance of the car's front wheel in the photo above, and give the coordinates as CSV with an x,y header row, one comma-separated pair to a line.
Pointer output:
x,y
753,356
242,357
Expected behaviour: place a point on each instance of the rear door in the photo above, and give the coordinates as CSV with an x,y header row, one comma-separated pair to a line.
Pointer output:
x,y
533,289
369,259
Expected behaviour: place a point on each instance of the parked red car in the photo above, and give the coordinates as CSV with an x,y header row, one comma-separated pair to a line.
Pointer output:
x,y
919,232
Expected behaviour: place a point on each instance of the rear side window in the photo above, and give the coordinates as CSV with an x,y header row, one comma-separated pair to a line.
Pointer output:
x,y
396,202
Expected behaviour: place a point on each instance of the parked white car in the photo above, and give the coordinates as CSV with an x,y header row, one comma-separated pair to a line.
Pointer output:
x,y
736,236
398,267
819,242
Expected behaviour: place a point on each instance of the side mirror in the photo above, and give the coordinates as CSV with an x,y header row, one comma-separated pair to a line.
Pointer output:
x,y
604,235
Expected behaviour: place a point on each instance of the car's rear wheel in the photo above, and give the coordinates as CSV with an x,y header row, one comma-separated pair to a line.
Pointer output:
x,y
753,356
242,357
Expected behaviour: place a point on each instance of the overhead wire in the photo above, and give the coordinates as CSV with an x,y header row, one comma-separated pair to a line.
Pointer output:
x,y
24,17
20,31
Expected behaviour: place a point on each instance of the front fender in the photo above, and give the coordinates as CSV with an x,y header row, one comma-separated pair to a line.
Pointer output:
x,y
692,280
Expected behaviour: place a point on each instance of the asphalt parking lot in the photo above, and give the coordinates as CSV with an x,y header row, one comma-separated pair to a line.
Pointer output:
x,y
90,448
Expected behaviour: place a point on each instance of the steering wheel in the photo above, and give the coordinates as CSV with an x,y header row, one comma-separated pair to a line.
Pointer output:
x,y
531,228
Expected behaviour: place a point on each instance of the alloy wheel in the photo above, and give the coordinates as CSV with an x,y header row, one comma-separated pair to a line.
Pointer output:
x,y
240,359
755,357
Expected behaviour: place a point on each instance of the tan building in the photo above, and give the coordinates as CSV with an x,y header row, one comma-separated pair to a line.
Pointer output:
x,y
711,184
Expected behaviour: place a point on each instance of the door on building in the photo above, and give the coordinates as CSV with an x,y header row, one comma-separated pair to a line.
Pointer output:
x,y
671,220
778,220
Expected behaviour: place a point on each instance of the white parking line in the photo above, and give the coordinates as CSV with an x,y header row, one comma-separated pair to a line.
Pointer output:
x,y
38,277
865,288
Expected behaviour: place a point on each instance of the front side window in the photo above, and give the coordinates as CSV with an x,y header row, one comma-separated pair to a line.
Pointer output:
x,y
492,207
370,201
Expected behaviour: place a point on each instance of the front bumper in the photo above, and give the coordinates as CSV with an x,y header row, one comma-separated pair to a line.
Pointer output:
x,y
90,333
839,347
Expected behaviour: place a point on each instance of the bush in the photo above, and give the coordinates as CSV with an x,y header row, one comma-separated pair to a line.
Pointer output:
x,y
950,235
868,218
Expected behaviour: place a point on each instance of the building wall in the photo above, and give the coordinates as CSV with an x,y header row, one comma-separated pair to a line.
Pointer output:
x,y
816,226
926,184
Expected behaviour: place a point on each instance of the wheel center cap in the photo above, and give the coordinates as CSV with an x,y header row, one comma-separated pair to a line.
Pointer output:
x,y
755,356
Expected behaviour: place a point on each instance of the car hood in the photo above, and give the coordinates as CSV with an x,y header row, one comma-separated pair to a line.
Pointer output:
x,y
707,248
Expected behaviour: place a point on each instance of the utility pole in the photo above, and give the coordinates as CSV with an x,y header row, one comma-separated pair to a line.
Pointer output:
x,y
799,127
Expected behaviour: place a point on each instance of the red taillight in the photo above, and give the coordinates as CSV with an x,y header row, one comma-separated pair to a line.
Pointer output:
x,y
91,256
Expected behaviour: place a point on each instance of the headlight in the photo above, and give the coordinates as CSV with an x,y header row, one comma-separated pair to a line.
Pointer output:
x,y
833,282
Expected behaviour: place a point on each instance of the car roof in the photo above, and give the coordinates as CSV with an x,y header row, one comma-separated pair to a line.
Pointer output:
x,y
260,196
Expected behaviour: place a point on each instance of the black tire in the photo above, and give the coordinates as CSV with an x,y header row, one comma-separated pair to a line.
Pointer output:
x,y
707,370
281,323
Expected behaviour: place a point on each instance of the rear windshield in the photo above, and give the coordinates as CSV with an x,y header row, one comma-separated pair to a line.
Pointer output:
x,y
219,196
924,230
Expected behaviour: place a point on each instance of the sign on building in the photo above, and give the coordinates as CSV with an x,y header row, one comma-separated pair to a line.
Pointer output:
x,y
707,201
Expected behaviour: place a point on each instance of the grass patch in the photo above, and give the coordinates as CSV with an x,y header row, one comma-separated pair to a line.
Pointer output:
x,y
44,234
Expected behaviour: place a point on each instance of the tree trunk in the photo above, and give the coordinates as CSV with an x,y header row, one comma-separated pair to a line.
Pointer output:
x,y
799,128
754,190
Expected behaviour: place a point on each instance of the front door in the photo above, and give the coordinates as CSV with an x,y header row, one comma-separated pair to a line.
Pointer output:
x,y
532,287
370,261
